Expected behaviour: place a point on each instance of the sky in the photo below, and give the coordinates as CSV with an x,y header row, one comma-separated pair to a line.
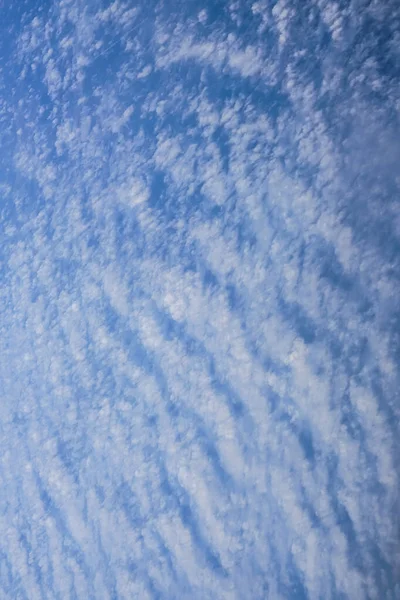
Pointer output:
x,y
199,315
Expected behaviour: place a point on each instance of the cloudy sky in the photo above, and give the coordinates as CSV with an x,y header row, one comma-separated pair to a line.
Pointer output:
x,y
199,314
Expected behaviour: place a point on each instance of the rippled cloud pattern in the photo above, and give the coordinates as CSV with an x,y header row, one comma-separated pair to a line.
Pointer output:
x,y
199,312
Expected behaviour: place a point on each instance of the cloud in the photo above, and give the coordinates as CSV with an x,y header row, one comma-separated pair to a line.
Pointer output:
x,y
199,328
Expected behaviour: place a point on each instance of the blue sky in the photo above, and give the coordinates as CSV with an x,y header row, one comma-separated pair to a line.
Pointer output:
x,y
199,323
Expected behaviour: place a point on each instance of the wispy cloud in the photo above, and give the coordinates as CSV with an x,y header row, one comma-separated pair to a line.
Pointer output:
x,y
198,315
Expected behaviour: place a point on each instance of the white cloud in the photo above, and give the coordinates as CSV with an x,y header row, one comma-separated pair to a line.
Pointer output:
x,y
198,393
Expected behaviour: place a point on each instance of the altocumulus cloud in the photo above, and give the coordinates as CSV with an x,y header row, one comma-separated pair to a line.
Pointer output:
x,y
199,319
